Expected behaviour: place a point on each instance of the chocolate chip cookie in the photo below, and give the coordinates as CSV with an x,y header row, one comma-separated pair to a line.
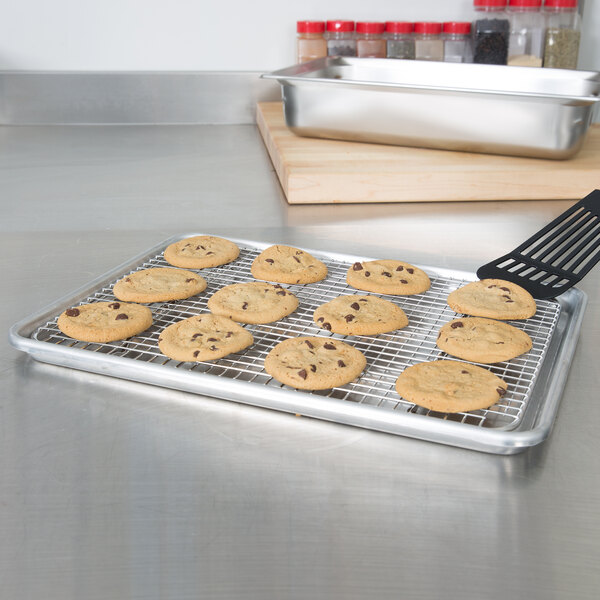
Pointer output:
x,y
253,302
493,298
314,363
360,315
482,340
450,386
203,337
388,277
286,264
201,252
104,321
160,284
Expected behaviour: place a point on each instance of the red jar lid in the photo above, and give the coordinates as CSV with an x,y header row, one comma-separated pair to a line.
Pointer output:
x,y
399,27
310,26
459,27
369,27
561,3
428,27
340,26
527,3
499,3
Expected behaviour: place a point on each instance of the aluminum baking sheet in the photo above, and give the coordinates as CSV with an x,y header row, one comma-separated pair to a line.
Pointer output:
x,y
522,418
498,109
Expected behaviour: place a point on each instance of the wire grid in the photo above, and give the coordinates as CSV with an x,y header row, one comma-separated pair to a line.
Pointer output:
x,y
387,354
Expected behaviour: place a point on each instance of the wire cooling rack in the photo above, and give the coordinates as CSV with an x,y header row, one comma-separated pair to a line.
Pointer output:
x,y
387,354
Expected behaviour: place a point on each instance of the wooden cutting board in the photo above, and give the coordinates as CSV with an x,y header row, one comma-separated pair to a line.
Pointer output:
x,y
313,170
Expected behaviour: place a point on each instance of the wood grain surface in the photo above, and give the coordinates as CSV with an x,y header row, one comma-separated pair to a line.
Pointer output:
x,y
313,170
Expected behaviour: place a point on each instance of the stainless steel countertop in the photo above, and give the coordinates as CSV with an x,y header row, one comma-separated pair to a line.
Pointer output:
x,y
112,489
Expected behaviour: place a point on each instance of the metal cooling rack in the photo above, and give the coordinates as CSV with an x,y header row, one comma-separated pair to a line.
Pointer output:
x,y
369,401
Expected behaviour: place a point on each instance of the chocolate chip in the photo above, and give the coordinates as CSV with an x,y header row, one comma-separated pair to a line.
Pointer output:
x,y
465,372
355,306
362,299
209,253
303,373
244,306
296,259
509,301
309,344
357,267
229,334
313,368
326,326
72,312
329,346
367,274
213,348
299,252
320,319
492,286
277,286
501,391
114,305
403,281
386,274
196,353
411,271
189,279
212,340
400,268
505,296
196,335
281,293
349,318
505,289
341,363
121,317
499,342
269,260
457,324
128,279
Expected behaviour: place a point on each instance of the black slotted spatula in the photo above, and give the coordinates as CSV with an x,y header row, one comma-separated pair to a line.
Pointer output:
x,y
556,257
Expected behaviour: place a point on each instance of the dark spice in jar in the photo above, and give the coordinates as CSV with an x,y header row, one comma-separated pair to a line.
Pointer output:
x,y
490,41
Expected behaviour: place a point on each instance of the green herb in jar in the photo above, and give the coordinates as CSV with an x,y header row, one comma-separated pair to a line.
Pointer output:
x,y
561,48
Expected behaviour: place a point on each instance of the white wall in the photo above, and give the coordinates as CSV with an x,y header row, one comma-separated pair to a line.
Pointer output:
x,y
196,35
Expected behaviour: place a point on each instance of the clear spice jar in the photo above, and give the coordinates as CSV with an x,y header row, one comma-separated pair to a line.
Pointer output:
x,y
490,31
457,42
563,32
310,43
526,41
340,38
428,42
400,40
370,42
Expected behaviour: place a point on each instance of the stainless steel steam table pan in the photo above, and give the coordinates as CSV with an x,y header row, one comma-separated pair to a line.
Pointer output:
x,y
521,111
522,418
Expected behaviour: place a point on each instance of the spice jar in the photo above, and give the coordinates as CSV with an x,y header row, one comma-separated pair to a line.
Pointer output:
x,y
310,41
490,32
428,42
340,38
526,41
457,42
370,42
399,39
561,47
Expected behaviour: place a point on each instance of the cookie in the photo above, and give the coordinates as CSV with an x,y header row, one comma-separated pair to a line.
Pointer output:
x,y
253,302
203,337
104,321
285,264
482,340
314,363
201,252
388,277
158,285
360,315
493,298
450,386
